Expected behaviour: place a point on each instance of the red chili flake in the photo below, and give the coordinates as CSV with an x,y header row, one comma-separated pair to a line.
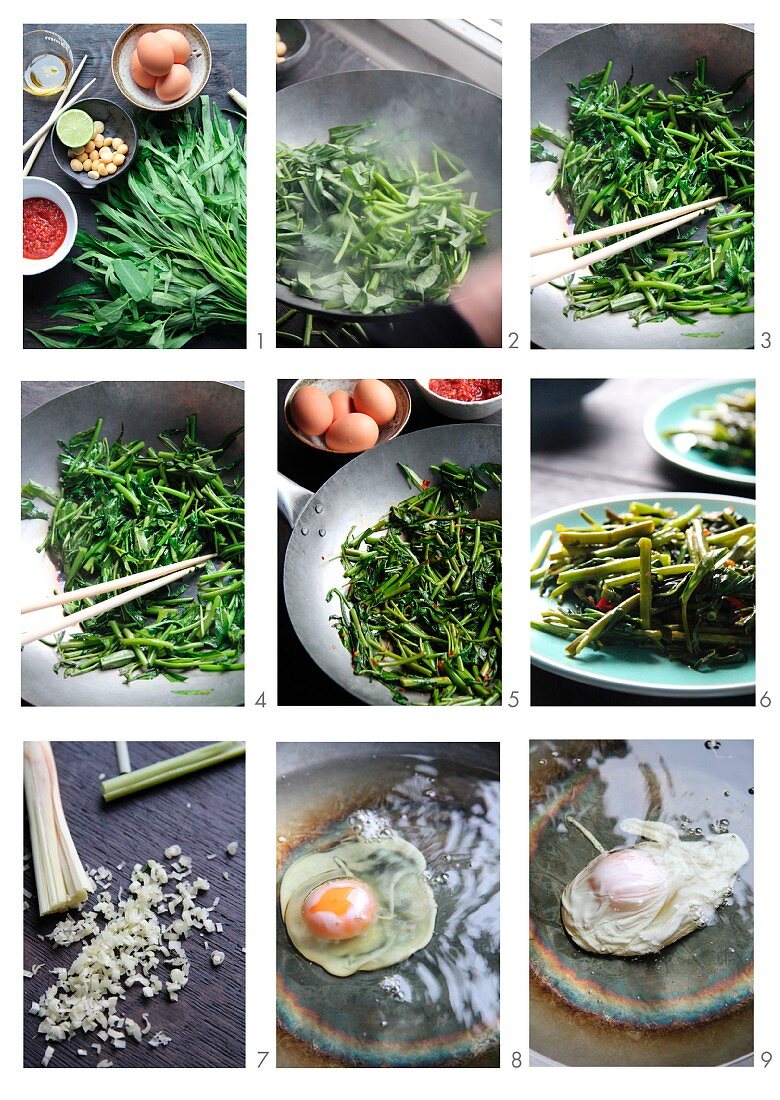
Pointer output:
x,y
734,601
426,483
605,605
466,389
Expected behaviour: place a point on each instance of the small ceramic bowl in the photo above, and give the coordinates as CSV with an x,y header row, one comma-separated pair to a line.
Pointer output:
x,y
118,123
295,35
199,65
35,187
403,407
458,410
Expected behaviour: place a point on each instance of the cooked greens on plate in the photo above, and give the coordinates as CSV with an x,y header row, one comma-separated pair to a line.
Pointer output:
x,y
725,431
682,585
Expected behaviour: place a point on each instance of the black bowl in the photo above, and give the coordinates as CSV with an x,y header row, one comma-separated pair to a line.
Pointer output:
x,y
118,124
295,34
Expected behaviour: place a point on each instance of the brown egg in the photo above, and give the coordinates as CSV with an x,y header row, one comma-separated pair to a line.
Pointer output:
x,y
341,402
353,432
174,84
155,54
139,74
178,43
375,399
311,410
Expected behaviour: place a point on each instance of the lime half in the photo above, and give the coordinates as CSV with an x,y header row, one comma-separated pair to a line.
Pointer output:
x,y
75,128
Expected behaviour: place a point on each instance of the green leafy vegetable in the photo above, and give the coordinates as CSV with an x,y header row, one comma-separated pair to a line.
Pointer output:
x,y
125,507
726,431
683,585
422,611
363,228
170,260
634,150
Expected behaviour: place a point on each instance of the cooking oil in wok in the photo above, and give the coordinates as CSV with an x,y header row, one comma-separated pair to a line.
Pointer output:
x,y
440,1006
688,1004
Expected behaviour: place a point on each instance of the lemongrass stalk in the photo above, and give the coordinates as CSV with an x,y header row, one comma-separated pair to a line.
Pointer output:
x,y
173,768
60,878
123,757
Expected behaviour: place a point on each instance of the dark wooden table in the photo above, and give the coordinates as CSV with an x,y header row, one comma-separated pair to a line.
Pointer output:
x,y
327,54
301,682
202,813
228,51
594,450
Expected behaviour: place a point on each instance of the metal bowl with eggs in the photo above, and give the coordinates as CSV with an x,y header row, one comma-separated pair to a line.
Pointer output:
x,y
327,429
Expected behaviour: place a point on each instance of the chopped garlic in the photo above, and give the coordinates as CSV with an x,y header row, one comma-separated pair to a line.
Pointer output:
x,y
173,852
232,848
217,958
159,1039
47,1056
105,1064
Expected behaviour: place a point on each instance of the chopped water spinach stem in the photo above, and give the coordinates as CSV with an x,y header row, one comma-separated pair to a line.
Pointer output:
x,y
724,432
124,507
364,227
422,608
635,149
680,585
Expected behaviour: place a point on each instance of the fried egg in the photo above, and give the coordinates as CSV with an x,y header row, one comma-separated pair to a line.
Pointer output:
x,y
362,905
637,900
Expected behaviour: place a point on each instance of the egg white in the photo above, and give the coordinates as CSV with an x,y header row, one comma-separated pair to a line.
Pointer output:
x,y
666,890
406,910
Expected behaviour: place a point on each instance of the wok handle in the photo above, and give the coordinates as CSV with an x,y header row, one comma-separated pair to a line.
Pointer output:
x,y
292,498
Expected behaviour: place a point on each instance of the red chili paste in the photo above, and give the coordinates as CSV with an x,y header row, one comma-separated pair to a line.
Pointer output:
x,y
466,389
44,228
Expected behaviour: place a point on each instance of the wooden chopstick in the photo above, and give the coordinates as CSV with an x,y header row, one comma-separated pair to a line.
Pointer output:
x,y
112,586
624,227
94,610
55,115
573,265
63,98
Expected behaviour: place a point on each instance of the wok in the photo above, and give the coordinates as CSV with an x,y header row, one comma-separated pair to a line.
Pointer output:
x,y
357,496
463,119
653,51
689,1005
320,782
143,409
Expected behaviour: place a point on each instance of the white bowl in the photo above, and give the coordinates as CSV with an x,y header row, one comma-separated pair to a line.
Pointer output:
x,y
458,410
36,187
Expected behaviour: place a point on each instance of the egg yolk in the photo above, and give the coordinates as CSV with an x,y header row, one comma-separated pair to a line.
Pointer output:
x,y
626,878
339,909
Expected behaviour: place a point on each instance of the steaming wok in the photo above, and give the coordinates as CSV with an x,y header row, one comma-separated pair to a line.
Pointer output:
x,y
463,119
358,495
653,51
144,409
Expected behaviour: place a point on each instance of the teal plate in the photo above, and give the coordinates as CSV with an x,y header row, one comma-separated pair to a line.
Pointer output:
x,y
675,410
636,671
